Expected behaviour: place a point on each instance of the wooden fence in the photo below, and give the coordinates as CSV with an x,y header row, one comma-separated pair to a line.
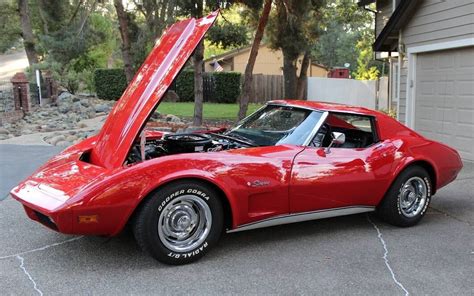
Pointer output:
x,y
266,88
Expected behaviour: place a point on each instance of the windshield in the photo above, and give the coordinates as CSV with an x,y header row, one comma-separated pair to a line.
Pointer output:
x,y
276,124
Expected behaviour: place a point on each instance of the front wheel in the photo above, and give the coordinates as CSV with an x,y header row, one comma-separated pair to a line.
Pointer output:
x,y
180,222
407,199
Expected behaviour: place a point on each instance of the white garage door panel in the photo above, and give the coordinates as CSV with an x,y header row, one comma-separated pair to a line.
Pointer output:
x,y
444,100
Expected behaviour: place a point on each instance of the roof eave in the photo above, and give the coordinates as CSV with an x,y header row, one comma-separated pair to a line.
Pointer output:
x,y
387,40
363,3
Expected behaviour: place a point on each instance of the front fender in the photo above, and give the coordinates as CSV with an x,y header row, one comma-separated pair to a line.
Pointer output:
x,y
118,195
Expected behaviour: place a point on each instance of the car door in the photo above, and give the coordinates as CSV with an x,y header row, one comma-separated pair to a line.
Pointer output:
x,y
341,176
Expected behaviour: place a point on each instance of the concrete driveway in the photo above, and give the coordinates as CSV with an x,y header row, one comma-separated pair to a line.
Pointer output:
x,y
12,63
357,255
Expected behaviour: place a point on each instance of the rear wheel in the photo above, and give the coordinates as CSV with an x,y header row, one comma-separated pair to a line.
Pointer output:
x,y
407,199
180,222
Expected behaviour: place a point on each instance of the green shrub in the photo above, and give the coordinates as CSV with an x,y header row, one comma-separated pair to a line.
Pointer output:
x,y
109,83
184,86
219,87
390,112
226,87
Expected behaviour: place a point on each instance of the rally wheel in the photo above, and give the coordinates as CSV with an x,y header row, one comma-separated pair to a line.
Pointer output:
x,y
408,198
180,222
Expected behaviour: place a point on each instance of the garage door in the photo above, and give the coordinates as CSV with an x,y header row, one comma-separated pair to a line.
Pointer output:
x,y
444,101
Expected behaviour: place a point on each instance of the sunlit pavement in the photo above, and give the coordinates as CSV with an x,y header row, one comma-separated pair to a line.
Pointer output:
x,y
12,63
349,255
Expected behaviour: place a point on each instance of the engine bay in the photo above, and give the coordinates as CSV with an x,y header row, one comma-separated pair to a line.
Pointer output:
x,y
171,144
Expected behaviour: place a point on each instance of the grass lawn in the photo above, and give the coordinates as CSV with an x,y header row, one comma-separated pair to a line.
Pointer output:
x,y
211,110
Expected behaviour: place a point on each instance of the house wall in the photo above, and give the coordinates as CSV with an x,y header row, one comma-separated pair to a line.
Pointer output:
x,y
384,11
403,90
269,62
440,21
315,71
435,21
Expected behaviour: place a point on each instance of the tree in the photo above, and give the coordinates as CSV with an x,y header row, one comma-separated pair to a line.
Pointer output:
x,y
346,36
294,30
336,46
196,9
124,34
10,31
366,70
73,38
248,77
147,23
157,14
27,32
303,77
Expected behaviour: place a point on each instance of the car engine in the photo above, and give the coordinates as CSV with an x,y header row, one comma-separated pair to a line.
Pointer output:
x,y
182,143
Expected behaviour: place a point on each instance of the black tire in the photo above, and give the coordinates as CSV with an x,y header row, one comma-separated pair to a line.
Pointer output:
x,y
391,208
161,203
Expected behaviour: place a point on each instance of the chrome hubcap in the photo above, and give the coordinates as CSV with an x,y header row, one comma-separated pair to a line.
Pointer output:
x,y
184,223
413,196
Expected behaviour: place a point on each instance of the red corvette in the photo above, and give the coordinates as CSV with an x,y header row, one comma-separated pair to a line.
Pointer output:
x,y
290,161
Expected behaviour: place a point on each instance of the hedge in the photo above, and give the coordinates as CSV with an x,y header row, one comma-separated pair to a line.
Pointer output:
x,y
219,87
226,87
184,86
110,83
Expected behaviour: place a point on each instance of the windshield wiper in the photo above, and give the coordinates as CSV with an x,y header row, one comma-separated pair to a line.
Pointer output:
x,y
237,138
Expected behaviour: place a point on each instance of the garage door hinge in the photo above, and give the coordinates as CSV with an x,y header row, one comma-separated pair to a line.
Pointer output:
x,y
411,83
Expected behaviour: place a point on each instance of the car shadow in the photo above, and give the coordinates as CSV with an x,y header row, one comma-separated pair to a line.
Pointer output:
x,y
122,249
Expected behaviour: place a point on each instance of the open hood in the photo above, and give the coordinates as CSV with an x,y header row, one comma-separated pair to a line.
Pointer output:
x,y
146,90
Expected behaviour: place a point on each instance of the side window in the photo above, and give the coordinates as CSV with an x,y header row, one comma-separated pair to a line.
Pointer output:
x,y
359,130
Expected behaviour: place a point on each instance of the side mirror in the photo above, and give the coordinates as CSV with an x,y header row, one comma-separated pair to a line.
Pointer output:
x,y
337,138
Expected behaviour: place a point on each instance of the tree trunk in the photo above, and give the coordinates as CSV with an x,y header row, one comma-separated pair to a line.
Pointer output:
x,y
248,78
27,32
289,76
303,78
198,83
123,27
198,59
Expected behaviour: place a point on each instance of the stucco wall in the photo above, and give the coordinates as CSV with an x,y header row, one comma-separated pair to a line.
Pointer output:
x,y
268,62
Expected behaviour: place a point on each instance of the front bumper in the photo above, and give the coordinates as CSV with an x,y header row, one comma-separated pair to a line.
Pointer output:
x,y
50,195
45,205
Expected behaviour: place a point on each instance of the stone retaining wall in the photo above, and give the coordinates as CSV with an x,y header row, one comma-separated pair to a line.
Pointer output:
x,y
11,116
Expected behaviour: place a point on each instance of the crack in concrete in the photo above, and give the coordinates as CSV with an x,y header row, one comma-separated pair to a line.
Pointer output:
x,y
385,256
42,248
22,266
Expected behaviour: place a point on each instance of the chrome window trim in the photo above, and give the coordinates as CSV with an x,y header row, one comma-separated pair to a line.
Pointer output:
x,y
304,216
292,106
316,127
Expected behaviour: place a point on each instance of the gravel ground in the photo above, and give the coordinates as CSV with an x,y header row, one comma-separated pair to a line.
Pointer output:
x,y
357,255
